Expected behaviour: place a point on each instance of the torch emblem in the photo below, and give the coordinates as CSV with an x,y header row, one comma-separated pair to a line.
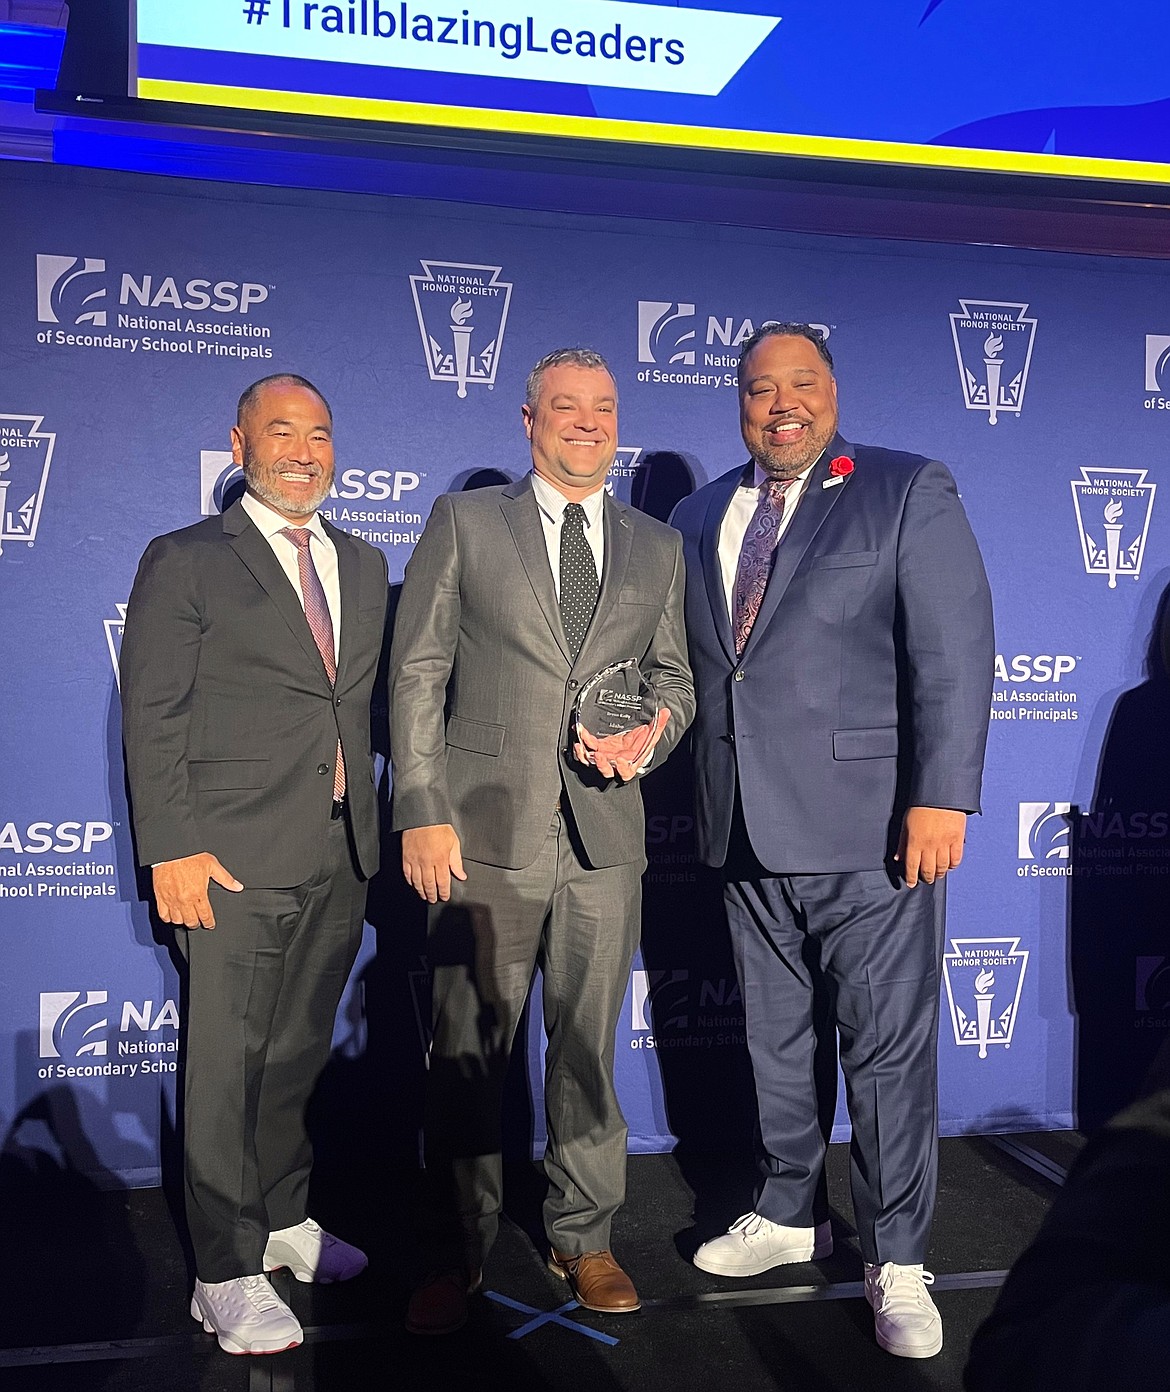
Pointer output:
x,y
984,978
993,347
1113,508
462,311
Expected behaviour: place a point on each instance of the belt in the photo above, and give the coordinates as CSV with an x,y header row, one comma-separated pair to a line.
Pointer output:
x,y
339,805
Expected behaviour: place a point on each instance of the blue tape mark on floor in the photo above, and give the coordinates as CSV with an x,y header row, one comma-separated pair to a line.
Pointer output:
x,y
542,1317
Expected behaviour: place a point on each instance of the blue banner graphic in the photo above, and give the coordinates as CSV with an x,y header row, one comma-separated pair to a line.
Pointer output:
x,y
133,312
943,83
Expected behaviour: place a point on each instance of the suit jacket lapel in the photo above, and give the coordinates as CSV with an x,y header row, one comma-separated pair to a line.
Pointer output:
x,y
348,578
619,543
811,511
255,552
523,518
720,497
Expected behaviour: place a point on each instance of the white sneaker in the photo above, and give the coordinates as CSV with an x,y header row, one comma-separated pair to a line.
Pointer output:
x,y
753,1244
246,1315
905,1319
312,1254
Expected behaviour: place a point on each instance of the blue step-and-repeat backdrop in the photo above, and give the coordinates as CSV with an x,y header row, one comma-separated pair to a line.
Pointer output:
x,y
132,313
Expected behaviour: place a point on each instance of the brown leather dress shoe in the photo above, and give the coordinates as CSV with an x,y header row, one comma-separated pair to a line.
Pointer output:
x,y
597,1282
438,1305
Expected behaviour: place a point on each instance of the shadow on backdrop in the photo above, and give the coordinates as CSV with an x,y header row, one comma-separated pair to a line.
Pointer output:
x,y
74,1272
479,478
661,481
1119,895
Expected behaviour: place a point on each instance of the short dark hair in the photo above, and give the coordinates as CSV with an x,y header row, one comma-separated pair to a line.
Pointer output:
x,y
773,328
250,394
559,357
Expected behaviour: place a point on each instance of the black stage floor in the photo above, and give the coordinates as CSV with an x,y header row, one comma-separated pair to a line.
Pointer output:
x,y
94,1290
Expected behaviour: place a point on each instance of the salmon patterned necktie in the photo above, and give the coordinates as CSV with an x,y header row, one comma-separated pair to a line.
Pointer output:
x,y
320,625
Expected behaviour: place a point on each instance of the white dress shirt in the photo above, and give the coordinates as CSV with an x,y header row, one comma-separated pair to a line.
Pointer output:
x,y
322,550
551,502
740,511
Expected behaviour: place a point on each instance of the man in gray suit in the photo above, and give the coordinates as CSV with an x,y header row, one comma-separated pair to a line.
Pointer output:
x,y
530,844
247,667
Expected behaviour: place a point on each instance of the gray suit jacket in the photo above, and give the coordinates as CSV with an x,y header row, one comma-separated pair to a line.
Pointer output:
x,y
482,686
228,719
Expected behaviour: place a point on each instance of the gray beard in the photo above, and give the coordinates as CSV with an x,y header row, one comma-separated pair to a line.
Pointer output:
x,y
278,500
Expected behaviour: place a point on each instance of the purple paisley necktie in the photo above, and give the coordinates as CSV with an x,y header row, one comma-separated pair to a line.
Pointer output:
x,y
755,559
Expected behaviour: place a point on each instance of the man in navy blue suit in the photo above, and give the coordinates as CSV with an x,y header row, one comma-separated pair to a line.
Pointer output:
x,y
839,622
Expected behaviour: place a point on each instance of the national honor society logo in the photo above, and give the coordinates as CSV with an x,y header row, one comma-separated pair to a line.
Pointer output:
x,y
1113,508
623,470
26,452
462,312
984,978
114,629
993,346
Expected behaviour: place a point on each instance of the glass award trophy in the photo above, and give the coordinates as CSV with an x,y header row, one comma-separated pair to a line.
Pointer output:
x,y
616,702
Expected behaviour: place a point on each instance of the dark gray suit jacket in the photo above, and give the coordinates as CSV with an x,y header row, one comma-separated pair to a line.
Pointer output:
x,y
228,720
482,686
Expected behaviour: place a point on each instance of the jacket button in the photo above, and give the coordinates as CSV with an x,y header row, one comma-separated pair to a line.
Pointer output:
x,y
322,768
730,739
739,676
573,683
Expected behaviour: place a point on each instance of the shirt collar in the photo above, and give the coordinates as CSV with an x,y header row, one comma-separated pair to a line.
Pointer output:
x,y
551,501
758,478
270,523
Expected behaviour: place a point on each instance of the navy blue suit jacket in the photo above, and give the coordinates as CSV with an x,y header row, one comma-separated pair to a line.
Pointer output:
x,y
865,685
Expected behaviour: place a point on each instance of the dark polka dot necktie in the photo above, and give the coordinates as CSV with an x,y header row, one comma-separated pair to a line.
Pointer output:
x,y
579,584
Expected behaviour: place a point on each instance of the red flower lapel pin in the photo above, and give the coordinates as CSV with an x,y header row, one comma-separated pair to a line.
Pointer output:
x,y
839,470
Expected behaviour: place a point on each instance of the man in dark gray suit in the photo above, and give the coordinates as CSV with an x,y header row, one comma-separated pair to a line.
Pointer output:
x,y
529,843
247,666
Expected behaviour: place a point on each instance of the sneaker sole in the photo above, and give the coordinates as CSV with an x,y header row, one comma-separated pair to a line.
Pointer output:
x,y
307,1277
908,1350
758,1268
234,1346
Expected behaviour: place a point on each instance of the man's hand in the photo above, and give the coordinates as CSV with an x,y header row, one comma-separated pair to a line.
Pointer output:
x,y
180,889
430,856
619,756
931,844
